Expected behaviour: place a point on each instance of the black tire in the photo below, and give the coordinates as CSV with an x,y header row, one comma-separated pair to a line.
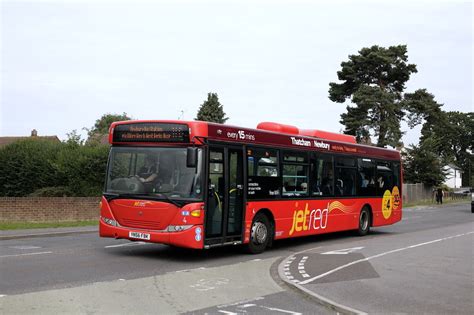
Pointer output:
x,y
364,222
260,234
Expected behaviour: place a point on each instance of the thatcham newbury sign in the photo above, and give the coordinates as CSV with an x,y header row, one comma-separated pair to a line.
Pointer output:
x,y
307,143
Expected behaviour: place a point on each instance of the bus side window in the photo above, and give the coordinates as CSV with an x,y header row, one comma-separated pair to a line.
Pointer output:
x,y
346,169
396,174
321,175
366,177
295,173
263,180
384,177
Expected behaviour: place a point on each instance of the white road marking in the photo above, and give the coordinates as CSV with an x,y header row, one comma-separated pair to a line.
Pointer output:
x,y
246,305
27,254
2,295
258,298
307,250
380,255
127,244
301,268
226,312
342,251
188,270
280,310
209,284
25,247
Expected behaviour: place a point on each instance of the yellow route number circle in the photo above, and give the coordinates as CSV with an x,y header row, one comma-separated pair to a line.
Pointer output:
x,y
387,204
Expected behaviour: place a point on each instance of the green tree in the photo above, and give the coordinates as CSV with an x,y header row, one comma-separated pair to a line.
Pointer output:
x,y
212,110
449,135
102,125
455,142
422,109
74,139
374,80
422,165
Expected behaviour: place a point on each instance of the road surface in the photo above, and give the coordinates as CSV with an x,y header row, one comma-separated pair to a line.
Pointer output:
x,y
423,264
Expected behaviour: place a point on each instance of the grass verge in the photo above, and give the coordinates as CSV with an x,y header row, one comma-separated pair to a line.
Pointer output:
x,y
40,225
430,202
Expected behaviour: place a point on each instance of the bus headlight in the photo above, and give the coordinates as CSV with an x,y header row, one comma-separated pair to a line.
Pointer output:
x,y
109,221
178,228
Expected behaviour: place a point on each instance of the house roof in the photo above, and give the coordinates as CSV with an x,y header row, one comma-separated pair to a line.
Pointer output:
x,y
454,167
34,135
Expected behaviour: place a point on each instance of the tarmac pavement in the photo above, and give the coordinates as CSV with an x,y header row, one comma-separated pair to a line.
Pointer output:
x,y
406,270
427,271
46,232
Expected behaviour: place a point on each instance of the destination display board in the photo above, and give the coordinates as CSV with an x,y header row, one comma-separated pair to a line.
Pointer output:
x,y
151,132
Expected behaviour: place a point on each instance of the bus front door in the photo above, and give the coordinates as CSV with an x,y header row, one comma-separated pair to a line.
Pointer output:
x,y
224,212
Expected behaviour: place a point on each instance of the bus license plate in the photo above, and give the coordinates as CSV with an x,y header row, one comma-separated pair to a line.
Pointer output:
x,y
142,236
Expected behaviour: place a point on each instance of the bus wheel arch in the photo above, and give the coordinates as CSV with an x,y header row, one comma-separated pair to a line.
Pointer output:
x,y
365,220
371,221
262,231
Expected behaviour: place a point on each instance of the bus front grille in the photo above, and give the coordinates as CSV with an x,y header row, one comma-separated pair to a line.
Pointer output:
x,y
154,225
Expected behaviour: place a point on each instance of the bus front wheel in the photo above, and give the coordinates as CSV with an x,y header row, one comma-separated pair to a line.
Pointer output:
x,y
260,234
364,222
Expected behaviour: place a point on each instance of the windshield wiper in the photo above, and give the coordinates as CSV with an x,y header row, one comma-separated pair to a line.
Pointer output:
x,y
177,204
112,196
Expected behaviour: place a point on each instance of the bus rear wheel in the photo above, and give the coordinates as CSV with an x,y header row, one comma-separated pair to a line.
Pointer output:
x,y
364,222
260,234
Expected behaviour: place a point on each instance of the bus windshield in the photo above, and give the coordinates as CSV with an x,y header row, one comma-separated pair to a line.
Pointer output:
x,y
154,172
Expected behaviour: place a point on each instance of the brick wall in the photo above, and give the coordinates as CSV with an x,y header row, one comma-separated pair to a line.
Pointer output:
x,y
48,209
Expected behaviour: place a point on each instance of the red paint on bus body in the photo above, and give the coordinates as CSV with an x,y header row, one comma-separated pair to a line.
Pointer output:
x,y
276,127
304,217
328,135
293,218
152,217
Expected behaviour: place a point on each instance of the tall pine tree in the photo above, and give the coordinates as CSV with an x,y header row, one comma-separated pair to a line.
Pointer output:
x,y
374,80
212,110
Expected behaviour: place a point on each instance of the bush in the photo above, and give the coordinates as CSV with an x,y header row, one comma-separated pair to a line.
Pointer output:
x,y
83,168
43,167
60,191
27,165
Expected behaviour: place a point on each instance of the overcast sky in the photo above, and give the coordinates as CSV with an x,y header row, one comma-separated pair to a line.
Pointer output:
x,y
66,63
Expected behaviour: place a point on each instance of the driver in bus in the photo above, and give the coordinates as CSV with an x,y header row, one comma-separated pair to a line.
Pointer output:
x,y
148,173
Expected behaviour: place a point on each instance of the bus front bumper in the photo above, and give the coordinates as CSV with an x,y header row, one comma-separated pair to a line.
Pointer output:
x,y
190,238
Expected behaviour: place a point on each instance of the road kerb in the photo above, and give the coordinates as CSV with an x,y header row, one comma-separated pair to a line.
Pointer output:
x,y
321,299
49,234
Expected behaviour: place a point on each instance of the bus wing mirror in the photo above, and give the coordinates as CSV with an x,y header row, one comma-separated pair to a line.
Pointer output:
x,y
191,157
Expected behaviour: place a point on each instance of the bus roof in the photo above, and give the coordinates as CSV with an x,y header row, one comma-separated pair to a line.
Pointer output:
x,y
151,132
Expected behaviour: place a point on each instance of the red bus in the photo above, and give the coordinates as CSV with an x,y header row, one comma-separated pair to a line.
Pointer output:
x,y
198,185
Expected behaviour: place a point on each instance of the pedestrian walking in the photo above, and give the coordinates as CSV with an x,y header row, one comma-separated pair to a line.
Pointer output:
x,y
439,195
